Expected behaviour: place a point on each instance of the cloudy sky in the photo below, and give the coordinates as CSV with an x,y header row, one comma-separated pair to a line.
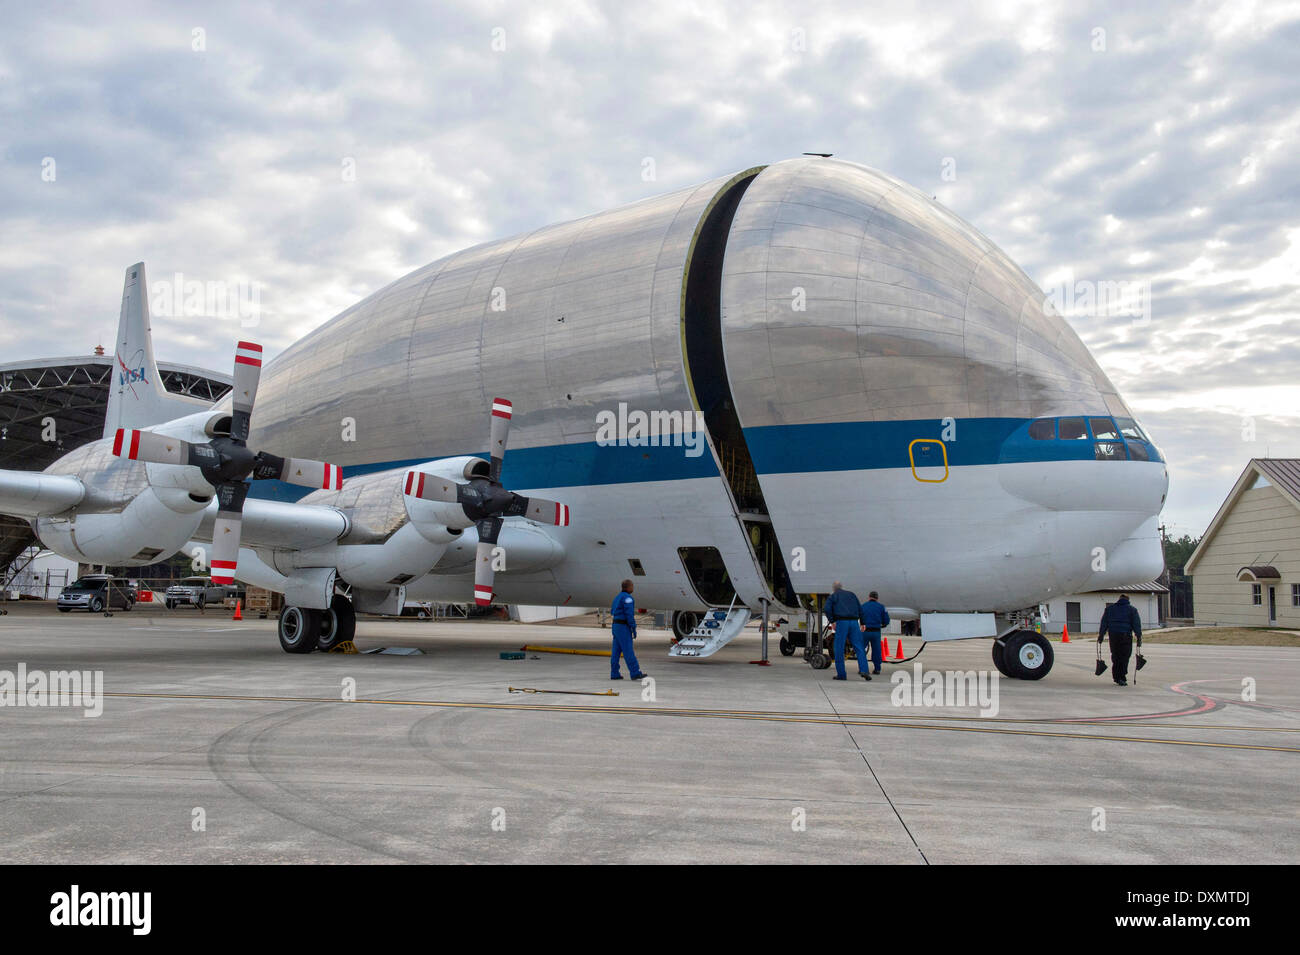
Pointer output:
x,y
321,154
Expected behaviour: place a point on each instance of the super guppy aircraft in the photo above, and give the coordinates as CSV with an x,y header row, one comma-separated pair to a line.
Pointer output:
x,y
885,399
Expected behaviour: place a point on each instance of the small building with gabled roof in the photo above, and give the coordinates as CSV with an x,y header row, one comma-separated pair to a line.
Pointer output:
x,y
1246,570
1081,613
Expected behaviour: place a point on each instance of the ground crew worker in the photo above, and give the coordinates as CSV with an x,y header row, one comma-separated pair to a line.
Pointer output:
x,y
1122,622
623,614
874,618
843,609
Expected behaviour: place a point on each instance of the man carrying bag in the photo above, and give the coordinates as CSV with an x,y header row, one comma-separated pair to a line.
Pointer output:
x,y
1121,623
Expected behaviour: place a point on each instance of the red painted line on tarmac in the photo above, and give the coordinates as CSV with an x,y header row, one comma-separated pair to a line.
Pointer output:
x,y
1207,705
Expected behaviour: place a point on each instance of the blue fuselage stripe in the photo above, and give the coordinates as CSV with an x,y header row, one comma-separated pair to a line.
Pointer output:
x,y
780,449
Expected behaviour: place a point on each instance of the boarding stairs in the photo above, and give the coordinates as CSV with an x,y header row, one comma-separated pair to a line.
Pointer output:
x,y
715,631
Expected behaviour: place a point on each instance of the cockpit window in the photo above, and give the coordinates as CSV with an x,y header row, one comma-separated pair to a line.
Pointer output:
x,y
1111,451
1044,429
1072,429
1129,428
1138,451
1103,429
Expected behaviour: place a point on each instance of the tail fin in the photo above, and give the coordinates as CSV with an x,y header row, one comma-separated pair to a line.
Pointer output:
x,y
136,397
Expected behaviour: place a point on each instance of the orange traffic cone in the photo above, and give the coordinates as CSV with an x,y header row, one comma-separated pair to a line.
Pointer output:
x,y
898,655
238,607
1065,633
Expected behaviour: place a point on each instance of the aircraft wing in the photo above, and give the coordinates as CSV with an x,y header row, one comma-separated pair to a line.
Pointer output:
x,y
282,525
36,494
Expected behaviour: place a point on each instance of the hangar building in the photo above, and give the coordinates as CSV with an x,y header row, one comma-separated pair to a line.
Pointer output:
x,y
49,407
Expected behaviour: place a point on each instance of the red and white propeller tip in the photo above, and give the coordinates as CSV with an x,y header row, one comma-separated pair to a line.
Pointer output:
x,y
136,445
223,572
318,474
126,443
501,408
559,513
248,353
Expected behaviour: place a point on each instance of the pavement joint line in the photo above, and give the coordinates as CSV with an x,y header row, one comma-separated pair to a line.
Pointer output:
x,y
711,714
880,785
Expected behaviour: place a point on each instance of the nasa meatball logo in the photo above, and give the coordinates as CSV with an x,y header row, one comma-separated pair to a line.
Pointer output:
x,y
132,372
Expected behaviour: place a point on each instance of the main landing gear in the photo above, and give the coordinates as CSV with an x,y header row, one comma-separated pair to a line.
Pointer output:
x,y
1023,655
302,630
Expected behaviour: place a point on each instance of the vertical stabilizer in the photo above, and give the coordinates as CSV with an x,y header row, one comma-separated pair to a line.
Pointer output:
x,y
136,397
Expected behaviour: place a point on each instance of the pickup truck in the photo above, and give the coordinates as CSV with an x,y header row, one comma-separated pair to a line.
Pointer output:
x,y
194,592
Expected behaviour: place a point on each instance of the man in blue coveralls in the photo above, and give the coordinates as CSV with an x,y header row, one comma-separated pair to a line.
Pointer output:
x,y
874,619
623,613
843,609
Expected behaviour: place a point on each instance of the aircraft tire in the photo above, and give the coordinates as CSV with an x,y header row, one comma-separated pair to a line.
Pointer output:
x,y
299,629
1028,655
787,648
338,624
999,657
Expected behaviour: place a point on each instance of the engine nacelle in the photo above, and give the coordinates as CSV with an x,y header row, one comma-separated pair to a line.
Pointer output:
x,y
132,513
145,531
406,555
434,517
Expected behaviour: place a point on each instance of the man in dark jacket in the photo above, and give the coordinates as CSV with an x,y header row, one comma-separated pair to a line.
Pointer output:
x,y
1122,623
874,618
843,609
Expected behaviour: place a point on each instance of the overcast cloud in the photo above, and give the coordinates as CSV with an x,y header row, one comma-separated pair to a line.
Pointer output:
x,y
1160,149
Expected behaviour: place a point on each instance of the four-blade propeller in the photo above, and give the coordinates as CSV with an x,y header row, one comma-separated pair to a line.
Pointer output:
x,y
486,503
226,462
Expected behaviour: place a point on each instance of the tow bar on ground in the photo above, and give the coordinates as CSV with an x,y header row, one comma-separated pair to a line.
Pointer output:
x,y
529,689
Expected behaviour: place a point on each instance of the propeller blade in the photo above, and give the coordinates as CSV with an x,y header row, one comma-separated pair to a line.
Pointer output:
x,y
248,371
225,531
300,471
489,529
539,509
430,487
502,410
154,448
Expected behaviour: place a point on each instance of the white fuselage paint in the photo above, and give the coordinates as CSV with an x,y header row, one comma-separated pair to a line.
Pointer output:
x,y
966,544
